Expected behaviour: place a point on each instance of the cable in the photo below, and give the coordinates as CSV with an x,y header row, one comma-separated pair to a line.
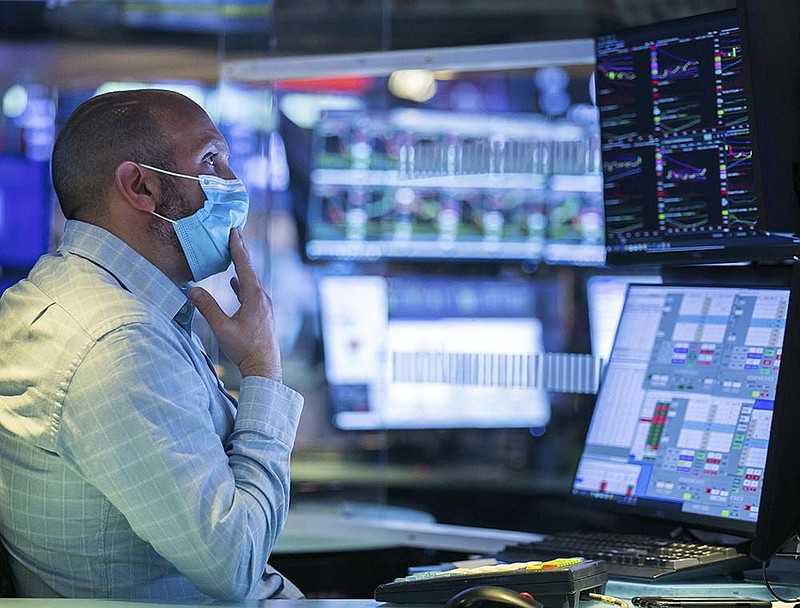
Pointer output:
x,y
608,599
769,587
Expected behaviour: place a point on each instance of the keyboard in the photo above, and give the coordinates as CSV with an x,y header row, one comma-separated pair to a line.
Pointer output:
x,y
633,556
557,583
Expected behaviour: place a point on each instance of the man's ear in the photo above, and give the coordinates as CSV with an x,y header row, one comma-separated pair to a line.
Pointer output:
x,y
138,187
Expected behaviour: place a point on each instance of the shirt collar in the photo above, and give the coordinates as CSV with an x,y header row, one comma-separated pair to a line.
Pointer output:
x,y
133,271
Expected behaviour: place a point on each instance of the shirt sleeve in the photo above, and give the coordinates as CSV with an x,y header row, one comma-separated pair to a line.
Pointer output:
x,y
136,424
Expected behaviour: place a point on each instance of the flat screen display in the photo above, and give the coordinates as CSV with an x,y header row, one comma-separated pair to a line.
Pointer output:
x,y
677,146
683,418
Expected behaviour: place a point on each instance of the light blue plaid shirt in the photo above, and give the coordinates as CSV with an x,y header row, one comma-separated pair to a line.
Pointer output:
x,y
126,470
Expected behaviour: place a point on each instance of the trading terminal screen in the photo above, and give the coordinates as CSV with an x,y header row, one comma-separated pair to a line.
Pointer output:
x,y
677,156
683,418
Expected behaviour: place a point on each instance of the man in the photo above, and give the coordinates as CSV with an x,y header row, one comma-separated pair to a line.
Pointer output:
x,y
126,470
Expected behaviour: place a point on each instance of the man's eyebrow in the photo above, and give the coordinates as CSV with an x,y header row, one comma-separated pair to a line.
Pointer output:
x,y
217,146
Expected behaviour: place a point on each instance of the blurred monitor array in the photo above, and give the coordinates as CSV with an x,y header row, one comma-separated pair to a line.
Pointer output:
x,y
208,17
25,202
413,352
431,185
486,161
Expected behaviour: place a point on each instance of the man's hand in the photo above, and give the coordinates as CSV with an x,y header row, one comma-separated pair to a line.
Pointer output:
x,y
248,337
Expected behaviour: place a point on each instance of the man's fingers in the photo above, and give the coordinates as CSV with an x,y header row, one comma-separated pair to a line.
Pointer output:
x,y
241,261
208,307
248,336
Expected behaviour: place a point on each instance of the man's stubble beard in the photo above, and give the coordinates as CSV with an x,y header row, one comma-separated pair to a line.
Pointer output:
x,y
175,206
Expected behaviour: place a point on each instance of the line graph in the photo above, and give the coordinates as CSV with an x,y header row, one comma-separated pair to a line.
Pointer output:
x,y
684,172
676,67
623,167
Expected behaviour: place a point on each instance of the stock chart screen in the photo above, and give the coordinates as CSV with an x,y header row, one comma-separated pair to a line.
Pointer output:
x,y
677,156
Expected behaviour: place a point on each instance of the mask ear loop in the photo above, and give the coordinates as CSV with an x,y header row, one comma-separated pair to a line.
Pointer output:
x,y
170,220
170,172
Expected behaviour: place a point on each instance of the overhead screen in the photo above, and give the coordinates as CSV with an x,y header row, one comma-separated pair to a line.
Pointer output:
x,y
485,153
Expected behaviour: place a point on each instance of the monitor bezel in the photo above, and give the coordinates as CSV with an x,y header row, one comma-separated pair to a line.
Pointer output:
x,y
780,494
770,42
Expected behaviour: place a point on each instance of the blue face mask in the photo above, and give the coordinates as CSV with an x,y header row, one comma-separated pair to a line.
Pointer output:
x,y
204,235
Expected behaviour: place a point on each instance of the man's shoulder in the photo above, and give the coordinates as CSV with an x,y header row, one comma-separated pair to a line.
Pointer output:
x,y
87,294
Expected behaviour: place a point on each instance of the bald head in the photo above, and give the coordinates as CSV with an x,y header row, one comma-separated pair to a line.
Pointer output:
x,y
107,130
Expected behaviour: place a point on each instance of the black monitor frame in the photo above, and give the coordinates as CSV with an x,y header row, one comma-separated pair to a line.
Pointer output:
x,y
779,509
771,41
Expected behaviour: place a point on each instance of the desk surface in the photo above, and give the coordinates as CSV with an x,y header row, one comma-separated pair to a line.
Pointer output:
x,y
620,589
623,590
346,526
353,526
417,530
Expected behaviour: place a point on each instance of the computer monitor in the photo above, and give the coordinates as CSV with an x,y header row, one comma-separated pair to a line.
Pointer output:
x,y
677,136
691,406
25,210
605,295
422,352
480,154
